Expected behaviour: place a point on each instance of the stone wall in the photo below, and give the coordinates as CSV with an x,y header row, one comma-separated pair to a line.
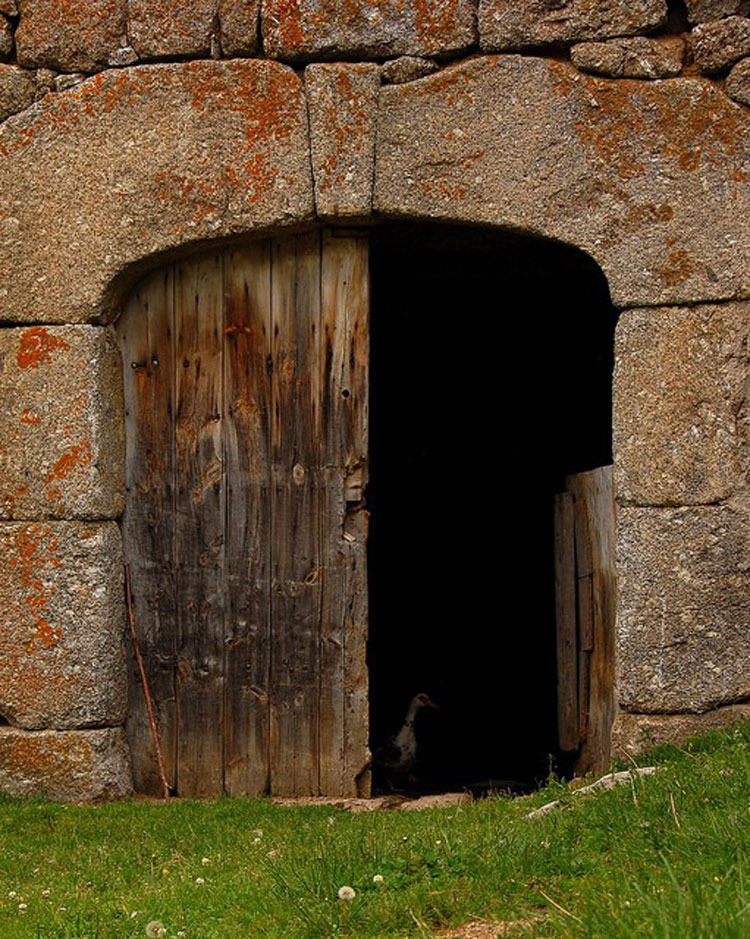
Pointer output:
x,y
133,132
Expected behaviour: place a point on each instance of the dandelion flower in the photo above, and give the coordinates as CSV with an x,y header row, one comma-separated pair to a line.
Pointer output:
x,y
165,871
347,893
156,929
378,879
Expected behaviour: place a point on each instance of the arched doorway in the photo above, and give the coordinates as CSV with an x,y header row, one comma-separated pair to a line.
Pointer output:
x,y
249,388
491,376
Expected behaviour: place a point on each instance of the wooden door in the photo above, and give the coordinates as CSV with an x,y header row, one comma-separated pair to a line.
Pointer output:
x,y
585,612
246,419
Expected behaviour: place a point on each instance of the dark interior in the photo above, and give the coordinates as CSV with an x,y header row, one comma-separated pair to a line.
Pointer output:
x,y
491,374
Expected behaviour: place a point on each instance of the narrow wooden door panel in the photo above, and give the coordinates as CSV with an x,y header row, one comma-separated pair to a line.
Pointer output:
x,y
147,351
250,582
247,330
344,360
199,524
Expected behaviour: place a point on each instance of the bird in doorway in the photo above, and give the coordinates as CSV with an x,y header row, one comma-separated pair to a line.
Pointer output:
x,y
398,755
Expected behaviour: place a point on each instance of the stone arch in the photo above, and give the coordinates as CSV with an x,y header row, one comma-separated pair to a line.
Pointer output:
x,y
146,161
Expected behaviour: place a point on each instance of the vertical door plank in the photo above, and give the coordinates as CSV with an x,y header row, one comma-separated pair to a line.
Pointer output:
x,y
565,619
594,490
199,525
295,604
145,329
247,337
344,360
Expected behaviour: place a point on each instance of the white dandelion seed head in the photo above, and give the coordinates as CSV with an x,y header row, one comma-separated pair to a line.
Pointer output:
x,y
22,907
378,879
200,881
156,929
347,893
46,893
205,861
12,895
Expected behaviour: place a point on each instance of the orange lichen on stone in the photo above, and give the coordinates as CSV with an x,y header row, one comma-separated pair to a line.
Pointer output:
x,y
36,554
456,84
686,124
28,417
678,268
77,455
295,27
36,346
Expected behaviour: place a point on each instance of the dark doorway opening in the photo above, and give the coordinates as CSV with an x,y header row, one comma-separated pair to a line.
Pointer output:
x,y
491,374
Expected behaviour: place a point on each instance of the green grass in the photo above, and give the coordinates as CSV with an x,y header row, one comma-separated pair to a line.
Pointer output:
x,y
621,863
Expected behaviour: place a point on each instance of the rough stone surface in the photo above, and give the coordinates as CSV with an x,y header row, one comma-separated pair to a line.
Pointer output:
x,y
680,428
138,161
62,658
67,766
342,102
406,68
75,36
68,80
635,57
634,733
9,8
700,11
738,82
510,25
650,178
62,452
6,39
18,90
239,22
309,29
162,28
719,44
683,625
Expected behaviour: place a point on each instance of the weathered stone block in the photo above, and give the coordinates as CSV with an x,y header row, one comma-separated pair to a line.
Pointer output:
x,y
68,766
343,102
138,161
9,8
62,659
6,39
18,90
239,25
309,29
650,178
700,11
62,450
75,36
509,25
162,28
680,382
634,733
635,57
738,82
406,68
683,625
720,43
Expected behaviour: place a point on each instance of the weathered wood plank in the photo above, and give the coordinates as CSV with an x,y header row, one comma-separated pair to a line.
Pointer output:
x,y
247,337
595,490
565,618
199,525
146,336
295,604
344,358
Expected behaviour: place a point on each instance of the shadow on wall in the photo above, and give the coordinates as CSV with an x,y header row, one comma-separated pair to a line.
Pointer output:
x,y
491,369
